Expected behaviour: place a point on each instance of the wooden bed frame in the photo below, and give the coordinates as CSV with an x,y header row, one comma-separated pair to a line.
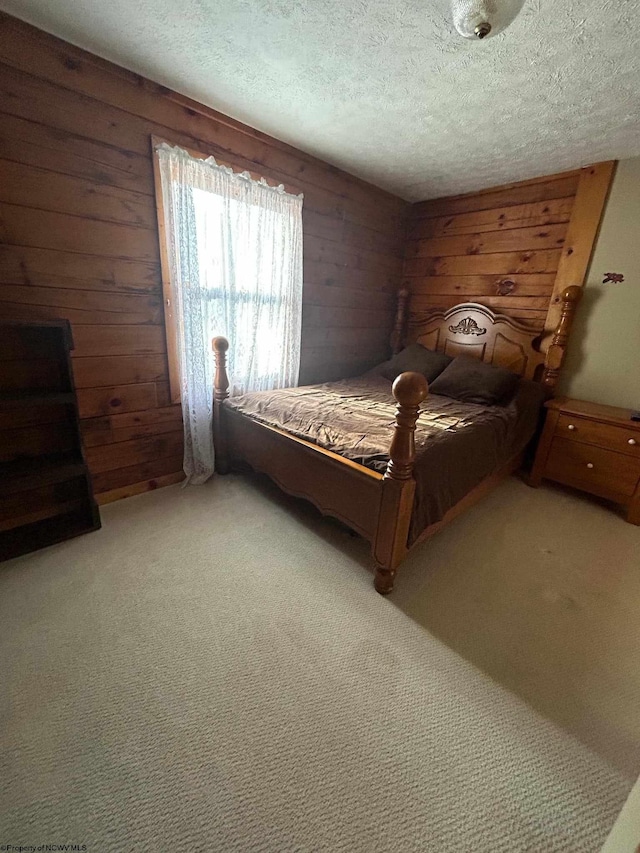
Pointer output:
x,y
378,506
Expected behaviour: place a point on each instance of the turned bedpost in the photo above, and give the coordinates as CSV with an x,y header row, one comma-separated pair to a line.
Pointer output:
x,y
558,347
400,324
220,346
399,485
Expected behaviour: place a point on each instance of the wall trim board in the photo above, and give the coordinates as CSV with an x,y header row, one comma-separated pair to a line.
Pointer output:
x,y
139,488
593,191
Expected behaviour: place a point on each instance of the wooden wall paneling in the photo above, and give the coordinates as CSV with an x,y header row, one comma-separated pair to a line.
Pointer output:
x,y
84,307
480,285
98,372
125,427
79,239
502,264
513,240
513,248
74,69
150,110
329,294
119,398
548,212
109,481
563,185
591,198
54,268
43,189
44,229
123,454
471,247
137,488
343,275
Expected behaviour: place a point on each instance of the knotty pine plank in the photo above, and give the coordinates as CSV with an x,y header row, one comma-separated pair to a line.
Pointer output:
x,y
124,454
38,188
101,430
91,341
117,306
561,186
466,287
98,372
317,250
93,402
20,311
491,242
330,295
27,265
36,144
504,263
112,429
510,303
506,218
339,275
317,316
156,482
330,336
25,226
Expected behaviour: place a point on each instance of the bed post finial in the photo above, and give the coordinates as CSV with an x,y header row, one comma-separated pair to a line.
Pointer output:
x,y
400,324
557,350
398,486
220,346
409,389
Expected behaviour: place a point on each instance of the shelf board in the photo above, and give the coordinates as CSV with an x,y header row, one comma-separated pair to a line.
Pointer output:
x,y
23,475
14,399
41,513
48,531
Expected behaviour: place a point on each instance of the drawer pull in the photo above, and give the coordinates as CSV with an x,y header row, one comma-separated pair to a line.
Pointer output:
x,y
632,441
589,464
571,427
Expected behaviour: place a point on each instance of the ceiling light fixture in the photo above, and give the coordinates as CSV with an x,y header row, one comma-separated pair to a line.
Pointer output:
x,y
479,19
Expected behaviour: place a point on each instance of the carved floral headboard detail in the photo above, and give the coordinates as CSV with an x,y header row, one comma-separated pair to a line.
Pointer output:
x,y
474,330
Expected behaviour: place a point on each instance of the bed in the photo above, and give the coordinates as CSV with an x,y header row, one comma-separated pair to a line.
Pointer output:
x,y
395,462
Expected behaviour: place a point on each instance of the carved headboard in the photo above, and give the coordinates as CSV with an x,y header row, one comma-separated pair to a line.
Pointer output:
x,y
474,330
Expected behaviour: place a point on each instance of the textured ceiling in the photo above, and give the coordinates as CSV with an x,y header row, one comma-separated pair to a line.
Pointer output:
x,y
385,88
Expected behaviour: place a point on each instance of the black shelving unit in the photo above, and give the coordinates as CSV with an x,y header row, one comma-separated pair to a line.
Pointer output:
x,y
46,494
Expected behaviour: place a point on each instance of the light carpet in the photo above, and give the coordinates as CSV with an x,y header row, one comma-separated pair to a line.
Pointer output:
x,y
213,671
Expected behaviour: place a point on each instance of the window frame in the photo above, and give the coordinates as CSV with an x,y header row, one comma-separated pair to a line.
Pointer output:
x,y
170,325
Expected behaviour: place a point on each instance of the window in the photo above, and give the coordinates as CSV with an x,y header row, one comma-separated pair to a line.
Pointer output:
x,y
232,266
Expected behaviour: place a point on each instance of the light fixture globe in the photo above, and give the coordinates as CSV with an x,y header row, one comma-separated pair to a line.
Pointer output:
x,y
479,19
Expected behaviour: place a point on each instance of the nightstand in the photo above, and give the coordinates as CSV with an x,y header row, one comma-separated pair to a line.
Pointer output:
x,y
593,448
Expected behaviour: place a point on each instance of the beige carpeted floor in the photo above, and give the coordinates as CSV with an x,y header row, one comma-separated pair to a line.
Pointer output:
x,y
213,671
540,588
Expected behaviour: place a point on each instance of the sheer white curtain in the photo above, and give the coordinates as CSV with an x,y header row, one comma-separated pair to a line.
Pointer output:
x,y
235,254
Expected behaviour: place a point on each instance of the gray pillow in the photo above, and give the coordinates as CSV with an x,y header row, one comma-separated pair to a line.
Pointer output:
x,y
416,358
472,381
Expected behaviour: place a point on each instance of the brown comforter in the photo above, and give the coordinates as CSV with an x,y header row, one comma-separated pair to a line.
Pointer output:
x,y
457,444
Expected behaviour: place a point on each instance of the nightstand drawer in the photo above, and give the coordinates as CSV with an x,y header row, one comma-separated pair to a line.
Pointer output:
x,y
602,472
603,435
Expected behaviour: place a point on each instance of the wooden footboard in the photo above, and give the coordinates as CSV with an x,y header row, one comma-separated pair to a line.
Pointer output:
x,y
336,486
